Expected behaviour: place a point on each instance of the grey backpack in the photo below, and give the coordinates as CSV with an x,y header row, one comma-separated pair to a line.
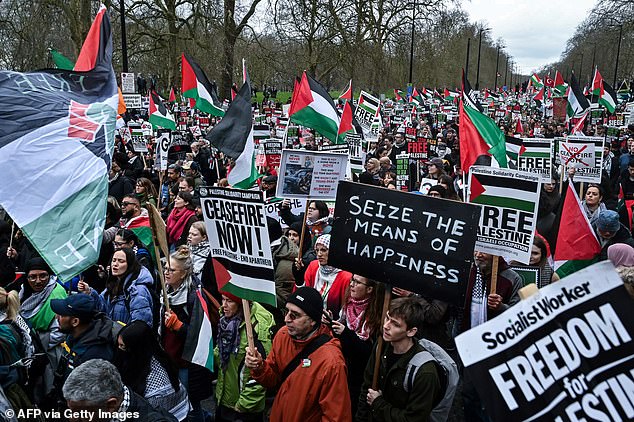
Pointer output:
x,y
447,371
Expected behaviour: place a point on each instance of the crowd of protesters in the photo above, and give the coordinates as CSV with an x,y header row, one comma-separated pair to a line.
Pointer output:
x,y
109,341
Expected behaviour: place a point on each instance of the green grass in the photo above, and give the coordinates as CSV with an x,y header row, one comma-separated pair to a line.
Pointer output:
x,y
284,96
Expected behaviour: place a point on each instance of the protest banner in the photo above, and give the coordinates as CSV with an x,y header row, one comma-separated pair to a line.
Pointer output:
x,y
269,153
128,85
419,243
426,184
355,144
132,101
310,174
163,140
366,110
137,137
577,155
239,242
509,200
537,158
403,179
562,354
273,205
417,148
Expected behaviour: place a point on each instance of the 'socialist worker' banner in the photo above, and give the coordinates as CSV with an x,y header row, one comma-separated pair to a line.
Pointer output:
x,y
239,242
564,354
415,242
509,200
537,157
308,174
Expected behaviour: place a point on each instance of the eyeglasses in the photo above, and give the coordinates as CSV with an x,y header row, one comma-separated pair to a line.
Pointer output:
x,y
355,281
292,315
170,270
35,277
125,204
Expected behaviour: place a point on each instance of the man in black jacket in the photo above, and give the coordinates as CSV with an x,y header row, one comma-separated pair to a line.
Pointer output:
x,y
91,335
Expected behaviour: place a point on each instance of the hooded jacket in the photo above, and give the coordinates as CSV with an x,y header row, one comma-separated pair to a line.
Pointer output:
x,y
321,382
284,254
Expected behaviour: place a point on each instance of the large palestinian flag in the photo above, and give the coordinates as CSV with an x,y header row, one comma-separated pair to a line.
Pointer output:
x,y
481,140
199,344
195,85
577,103
312,107
577,246
159,115
56,140
608,99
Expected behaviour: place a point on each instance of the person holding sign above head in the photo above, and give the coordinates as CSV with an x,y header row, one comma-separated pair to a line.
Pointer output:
x,y
330,282
306,364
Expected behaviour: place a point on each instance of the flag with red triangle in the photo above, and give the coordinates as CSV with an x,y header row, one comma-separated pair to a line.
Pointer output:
x,y
518,127
159,115
398,95
312,107
345,126
172,97
196,85
560,86
577,245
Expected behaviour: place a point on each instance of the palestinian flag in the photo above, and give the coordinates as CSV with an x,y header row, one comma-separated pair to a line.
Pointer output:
x,y
577,102
233,136
479,136
398,95
61,61
345,126
577,245
140,226
608,98
503,192
468,95
451,96
539,97
196,85
368,103
172,97
347,94
597,84
415,98
199,344
159,115
560,86
64,129
535,81
312,107
514,148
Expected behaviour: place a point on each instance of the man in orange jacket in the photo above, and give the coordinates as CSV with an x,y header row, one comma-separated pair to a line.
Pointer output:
x,y
316,389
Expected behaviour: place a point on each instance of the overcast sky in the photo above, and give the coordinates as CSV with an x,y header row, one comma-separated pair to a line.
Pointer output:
x,y
534,31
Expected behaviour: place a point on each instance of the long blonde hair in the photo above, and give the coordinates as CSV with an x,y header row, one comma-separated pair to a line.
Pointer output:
x,y
9,303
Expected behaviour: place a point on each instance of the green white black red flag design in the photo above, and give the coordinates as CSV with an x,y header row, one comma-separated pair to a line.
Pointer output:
x,y
509,199
159,115
312,107
239,241
195,85
62,123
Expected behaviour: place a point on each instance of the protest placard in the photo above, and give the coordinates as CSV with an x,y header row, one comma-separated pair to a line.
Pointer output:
x,y
366,110
239,242
163,140
537,158
417,148
309,174
273,205
585,169
563,354
529,274
415,242
403,179
425,184
128,85
137,137
509,200
132,101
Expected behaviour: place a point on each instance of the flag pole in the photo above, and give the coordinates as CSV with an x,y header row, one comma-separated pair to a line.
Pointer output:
x,y
156,240
12,232
561,179
246,309
301,238
379,344
494,274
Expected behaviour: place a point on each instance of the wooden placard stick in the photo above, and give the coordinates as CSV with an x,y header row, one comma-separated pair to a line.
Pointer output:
x,y
301,237
246,309
494,274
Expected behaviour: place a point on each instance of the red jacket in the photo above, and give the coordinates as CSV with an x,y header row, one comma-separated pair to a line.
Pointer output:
x,y
314,393
336,294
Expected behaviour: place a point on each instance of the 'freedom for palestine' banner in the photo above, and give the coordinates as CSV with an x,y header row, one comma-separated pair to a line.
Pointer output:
x,y
509,200
239,242
415,242
563,354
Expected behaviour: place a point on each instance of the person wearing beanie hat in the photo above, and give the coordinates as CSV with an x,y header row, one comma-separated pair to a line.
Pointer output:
x,y
610,231
330,282
315,388
437,191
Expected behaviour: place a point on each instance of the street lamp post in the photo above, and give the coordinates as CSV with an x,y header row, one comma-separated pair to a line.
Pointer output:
x,y
477,85
124,40
411,50
466,66
618,53
497,62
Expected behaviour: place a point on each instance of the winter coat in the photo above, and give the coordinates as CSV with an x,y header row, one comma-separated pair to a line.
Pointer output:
x,y
235,388
314,392
395,404
621,236
284,254
336,294
134,303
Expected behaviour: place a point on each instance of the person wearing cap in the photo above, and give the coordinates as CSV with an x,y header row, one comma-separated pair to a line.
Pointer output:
x,y
610,231
238,396
315,389
268,185
435,168
35,296
330,282
89,333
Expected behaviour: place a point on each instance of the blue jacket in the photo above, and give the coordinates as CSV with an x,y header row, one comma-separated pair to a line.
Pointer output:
x,y
134,304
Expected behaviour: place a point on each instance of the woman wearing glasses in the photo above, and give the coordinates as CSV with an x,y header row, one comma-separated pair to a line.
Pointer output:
x,y
358,328
145,191
181,293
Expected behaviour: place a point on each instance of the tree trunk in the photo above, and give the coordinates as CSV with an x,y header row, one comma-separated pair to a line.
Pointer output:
x,y
230,37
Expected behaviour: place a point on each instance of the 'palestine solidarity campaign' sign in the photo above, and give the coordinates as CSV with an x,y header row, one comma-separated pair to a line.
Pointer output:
x,y
564,354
